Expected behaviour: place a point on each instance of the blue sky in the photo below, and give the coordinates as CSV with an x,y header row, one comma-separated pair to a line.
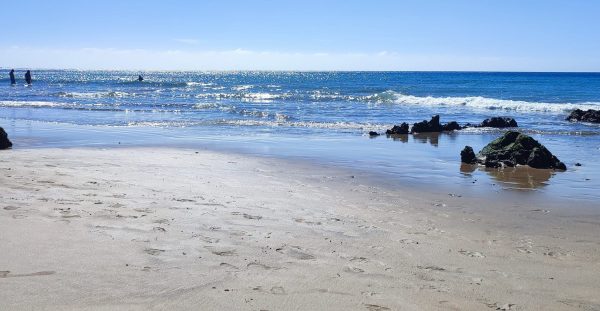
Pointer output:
x,y
506,35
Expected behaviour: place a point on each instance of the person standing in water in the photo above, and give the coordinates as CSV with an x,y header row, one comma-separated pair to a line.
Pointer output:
x,y
12,77
140,78
28,77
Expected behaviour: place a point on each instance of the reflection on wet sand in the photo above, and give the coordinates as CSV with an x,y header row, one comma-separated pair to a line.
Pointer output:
x,y
424,138
431,138
520,177
399,137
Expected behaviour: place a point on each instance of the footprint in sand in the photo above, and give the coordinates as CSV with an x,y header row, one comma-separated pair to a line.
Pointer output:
x,y
353,269
556,254
372,307
472,254
295,252
359,259
408,241
502,307
11,208
431,268
206,239
277,290
71,216
260,265
184,200
154,251
524,250
581,304
228,266
248,216
6,274
222,251
308,222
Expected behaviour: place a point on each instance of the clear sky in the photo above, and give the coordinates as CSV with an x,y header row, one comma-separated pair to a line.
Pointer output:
x,y
507,35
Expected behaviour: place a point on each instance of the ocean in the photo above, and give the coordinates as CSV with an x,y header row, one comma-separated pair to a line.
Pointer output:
x,y
323,118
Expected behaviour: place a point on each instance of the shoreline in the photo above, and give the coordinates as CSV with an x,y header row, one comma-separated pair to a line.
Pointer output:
x,y
138,228
418,161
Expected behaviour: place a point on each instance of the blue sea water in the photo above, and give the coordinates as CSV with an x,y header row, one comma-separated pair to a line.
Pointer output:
x,y
317,116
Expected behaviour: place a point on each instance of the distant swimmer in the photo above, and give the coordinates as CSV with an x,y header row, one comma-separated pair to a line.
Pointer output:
x,y
12,77
140,78
28,77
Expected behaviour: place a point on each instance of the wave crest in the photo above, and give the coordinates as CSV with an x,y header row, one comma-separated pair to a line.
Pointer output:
x,y
477,102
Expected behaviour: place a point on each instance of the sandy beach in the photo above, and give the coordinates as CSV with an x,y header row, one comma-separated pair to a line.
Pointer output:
x,y
164,229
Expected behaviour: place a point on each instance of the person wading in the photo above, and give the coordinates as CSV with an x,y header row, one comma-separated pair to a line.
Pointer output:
x,y
12,77
28,77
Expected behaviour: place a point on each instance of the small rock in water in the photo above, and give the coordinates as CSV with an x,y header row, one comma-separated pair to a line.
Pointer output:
x,y
398,129
499,122
452,126
591,115
5,143
372,133
577,164
427,126
467,155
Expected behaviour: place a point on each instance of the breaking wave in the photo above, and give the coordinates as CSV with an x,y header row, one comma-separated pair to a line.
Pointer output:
x,y
477,102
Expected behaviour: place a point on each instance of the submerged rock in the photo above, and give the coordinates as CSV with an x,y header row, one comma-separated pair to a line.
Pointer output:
x,y
591,115
452,126
499,122
516,148
427,126
4,141
398,129
467,155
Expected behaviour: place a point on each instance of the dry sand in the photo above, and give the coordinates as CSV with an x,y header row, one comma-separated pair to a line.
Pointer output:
x,y
168,229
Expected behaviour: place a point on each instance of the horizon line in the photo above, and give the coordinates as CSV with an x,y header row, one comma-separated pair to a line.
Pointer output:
x,y
289,71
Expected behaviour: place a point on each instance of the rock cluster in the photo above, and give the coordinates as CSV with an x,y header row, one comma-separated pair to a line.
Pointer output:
x,y
591,115
434,125
499,122
398,129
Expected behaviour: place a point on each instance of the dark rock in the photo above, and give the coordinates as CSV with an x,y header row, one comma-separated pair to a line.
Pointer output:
x,y
499,122
492,163
4,142
398,129
467,155
591,115
427,126
577,164
515,148
452,126
372,133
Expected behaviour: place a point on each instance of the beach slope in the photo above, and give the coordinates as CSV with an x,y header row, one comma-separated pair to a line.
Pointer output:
x,y
166,229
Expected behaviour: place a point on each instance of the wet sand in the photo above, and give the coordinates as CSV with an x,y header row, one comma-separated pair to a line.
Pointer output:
x,y
148,228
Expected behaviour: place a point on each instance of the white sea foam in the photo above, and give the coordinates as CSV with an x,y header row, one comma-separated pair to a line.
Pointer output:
x,y
112,94
206,106
249,97
35,104
261,96
308,124
198,84
242,87
478,102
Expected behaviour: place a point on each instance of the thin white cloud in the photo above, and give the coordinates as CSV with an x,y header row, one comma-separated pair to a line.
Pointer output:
x,y
187,41
243,59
